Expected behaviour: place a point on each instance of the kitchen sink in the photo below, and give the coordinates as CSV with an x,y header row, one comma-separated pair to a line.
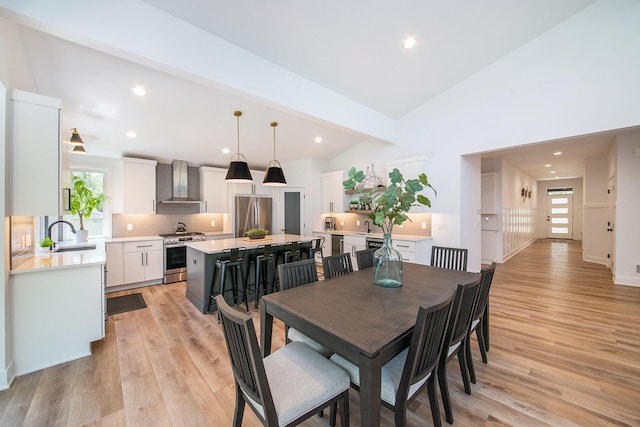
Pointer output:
x,y
74,247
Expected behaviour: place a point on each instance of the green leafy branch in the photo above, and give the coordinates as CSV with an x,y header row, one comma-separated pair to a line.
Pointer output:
x,y
390,207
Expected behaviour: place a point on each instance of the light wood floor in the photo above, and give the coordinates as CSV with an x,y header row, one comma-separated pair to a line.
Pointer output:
x,y
565,351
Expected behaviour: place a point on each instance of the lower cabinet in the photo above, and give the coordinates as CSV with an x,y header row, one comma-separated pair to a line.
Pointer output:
x,y
143,261
418,252
134,262
353,244
56,314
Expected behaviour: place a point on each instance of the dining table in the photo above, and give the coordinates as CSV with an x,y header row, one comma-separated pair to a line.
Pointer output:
x,y
365,323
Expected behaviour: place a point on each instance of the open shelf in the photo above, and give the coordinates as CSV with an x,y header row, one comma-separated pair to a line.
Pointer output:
x,y
363,212
364,190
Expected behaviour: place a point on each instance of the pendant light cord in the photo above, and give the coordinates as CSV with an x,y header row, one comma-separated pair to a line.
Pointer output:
x,y
274,124
238,114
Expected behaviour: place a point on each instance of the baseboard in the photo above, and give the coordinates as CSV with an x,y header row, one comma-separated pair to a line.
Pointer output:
x,y
596,260
627,280
6,377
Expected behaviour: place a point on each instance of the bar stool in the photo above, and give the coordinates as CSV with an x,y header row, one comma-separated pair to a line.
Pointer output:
x,y
230,259
292,253
263,259
314,247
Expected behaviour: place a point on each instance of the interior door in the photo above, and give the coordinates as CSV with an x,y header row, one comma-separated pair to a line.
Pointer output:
x,y
293,202
560,213
611,216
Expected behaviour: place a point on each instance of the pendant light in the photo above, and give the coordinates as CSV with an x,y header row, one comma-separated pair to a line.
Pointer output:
x,y
238,169
77,142
274,176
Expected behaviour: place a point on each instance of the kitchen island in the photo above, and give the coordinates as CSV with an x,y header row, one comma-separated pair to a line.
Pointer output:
x,y
202,256
57,305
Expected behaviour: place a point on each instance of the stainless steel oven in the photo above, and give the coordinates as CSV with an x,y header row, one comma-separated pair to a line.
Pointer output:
x,y
175,254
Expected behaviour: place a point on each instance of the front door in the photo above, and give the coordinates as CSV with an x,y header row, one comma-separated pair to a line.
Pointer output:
x,y
560,213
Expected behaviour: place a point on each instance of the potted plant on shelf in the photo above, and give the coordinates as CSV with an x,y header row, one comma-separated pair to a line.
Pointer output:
x,y
83,202
256,233
353,205
390,208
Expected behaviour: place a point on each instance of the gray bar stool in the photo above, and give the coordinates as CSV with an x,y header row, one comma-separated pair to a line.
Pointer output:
x,y
230,259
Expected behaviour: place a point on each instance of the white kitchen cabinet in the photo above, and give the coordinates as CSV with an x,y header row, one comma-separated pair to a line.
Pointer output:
x,y
115,264
39,171
418,252
489,193
353,244
213,189
57,313
143,261
410,169
138,186
333,198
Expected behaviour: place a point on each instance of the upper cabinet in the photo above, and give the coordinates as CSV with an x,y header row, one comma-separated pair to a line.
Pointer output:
x,y
213,189
489,193
333,197
138,186
410,169
38,168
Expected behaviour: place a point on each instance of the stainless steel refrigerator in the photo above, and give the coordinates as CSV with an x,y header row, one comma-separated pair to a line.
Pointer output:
x,y
253,212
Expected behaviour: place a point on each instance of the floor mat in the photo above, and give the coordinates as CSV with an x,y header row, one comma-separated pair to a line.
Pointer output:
x,y
125,303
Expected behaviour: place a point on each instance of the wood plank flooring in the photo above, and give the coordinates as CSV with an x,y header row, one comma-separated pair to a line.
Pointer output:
x,y
565,351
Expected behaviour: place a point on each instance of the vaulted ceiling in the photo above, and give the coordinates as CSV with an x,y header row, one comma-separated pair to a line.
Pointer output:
x,y
351,49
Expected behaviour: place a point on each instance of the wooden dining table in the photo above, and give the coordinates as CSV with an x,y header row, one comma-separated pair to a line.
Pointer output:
x,y
362,322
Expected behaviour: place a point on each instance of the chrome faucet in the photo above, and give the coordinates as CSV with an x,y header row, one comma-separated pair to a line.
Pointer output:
x,y
368,228
55,222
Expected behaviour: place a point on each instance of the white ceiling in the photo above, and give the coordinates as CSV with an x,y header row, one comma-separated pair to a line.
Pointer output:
x,y
352,48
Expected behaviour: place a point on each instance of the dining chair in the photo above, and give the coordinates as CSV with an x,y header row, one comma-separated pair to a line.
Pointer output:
x,y
455,341
286,387
404,376
479,318
364,258
451,258
337,265
296,274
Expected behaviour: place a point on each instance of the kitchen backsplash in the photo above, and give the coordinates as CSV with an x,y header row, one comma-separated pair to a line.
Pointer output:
x,y
22,239
148,225
413,227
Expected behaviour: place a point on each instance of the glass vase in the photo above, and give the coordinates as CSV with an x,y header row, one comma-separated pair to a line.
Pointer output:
x,y
387,265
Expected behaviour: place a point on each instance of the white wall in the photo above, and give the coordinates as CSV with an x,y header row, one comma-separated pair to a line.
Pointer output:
x,y
595,239
627,235
578,78
6,360
14,69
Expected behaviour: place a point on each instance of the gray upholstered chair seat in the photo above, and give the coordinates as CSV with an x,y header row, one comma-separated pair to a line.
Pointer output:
x,y
316,378
390,379
294,335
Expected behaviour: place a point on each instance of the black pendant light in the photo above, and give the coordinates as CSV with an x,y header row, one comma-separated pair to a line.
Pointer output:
x,y
274,176
238,169
77,142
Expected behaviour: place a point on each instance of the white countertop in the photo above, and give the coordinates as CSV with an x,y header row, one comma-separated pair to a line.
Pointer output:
x,y
45,260
215,246
396,236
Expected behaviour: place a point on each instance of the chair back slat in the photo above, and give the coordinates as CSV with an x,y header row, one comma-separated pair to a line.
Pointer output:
x,y
337,265
244,355
297,273
483,294
463,308
364,258
450,258
426,345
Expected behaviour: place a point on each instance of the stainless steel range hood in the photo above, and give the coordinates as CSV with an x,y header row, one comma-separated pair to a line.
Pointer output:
x,y
180,184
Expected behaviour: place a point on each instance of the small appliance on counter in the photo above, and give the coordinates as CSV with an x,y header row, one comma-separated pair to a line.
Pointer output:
x,y
330,223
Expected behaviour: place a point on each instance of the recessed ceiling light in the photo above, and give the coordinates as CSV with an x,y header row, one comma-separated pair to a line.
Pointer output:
x,y
552,172
139,91
225,150
318,139
547,165
409,42
557,153
131,134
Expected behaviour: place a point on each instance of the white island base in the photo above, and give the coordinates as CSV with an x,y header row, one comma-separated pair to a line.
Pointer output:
x,y
56,314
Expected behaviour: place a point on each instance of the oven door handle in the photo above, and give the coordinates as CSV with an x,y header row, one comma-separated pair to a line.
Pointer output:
x,y
176,245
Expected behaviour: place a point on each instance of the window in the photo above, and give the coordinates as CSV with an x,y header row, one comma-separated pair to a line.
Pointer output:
x,y
97,224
